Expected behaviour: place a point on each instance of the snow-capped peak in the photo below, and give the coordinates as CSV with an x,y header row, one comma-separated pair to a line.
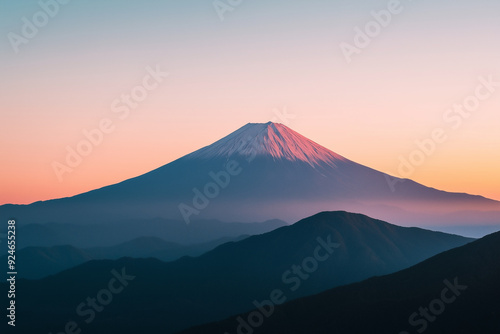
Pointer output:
x,y
268,139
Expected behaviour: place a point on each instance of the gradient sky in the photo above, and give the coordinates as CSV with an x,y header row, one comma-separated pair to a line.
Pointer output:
x,y
265,56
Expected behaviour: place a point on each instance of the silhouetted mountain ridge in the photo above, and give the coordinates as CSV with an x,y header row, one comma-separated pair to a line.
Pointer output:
x,y
466,276
168,297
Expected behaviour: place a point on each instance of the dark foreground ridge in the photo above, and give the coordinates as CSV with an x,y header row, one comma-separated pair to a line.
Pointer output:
x,y
454,292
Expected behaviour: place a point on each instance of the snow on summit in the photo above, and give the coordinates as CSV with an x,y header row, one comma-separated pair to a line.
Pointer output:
x,y
268,139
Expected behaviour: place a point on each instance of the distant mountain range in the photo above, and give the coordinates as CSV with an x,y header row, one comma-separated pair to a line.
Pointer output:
x,y
39,262
455,292
317,253
261,172
111,234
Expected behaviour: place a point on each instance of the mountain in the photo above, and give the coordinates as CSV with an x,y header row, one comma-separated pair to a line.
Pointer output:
x,y
315,254
455,292
260,172
39,262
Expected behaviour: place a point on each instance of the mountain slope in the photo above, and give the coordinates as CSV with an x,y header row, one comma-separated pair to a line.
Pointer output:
x,y
316,253
459,289
260,172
